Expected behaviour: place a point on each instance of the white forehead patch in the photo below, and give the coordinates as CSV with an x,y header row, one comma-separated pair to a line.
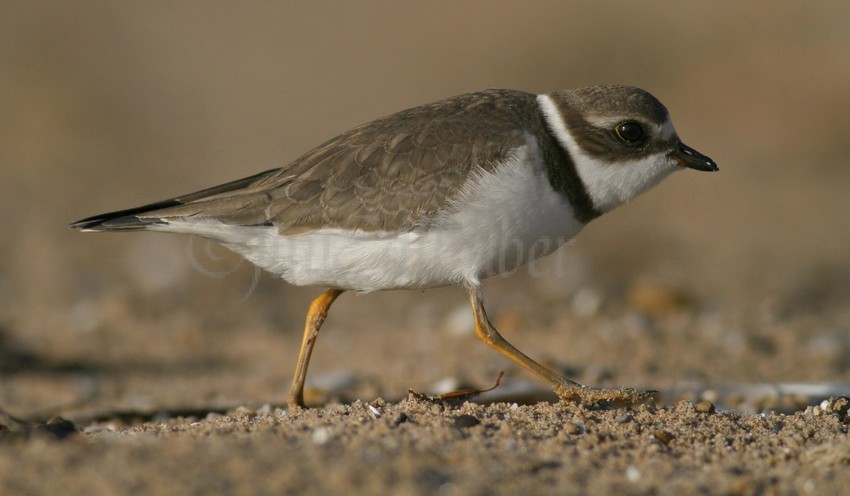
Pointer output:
x,y
667,130
609,184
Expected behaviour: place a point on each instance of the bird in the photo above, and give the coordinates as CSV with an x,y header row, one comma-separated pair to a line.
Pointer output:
x,y
442,194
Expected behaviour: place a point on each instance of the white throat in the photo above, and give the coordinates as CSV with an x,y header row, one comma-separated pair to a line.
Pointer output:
x,y
609,184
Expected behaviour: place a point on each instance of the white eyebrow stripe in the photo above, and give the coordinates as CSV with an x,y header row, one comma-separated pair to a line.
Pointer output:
x,y
666,131
609,121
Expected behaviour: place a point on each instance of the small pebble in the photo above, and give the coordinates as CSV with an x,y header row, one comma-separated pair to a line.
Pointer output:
x,y
400,419
840,406
663,436
93,427
575,428
464,421
60,427
243,412
704,406
623,418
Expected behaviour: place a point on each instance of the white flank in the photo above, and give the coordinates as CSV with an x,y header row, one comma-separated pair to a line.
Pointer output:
x,y
500,220
609,184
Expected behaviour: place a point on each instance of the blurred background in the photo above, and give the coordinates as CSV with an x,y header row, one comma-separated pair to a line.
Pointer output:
x,y
737,276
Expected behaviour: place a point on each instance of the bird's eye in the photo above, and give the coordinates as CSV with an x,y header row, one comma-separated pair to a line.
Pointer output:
x,y
629,132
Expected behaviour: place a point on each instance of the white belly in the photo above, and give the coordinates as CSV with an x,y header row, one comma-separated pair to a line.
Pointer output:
x,y
501,221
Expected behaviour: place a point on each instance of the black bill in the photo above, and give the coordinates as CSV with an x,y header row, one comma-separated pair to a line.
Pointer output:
x,y
692,159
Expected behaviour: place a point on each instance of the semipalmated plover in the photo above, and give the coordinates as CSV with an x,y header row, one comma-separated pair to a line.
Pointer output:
x,y
441,194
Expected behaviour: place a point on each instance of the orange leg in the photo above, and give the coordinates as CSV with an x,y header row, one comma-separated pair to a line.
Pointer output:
x,y
487,333
315,318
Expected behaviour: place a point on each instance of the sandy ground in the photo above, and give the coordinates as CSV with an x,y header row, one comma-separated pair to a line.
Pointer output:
x,y
426,447
153,364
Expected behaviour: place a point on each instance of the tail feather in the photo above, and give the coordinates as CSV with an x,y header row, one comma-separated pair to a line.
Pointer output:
x,y
123,220
133,219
